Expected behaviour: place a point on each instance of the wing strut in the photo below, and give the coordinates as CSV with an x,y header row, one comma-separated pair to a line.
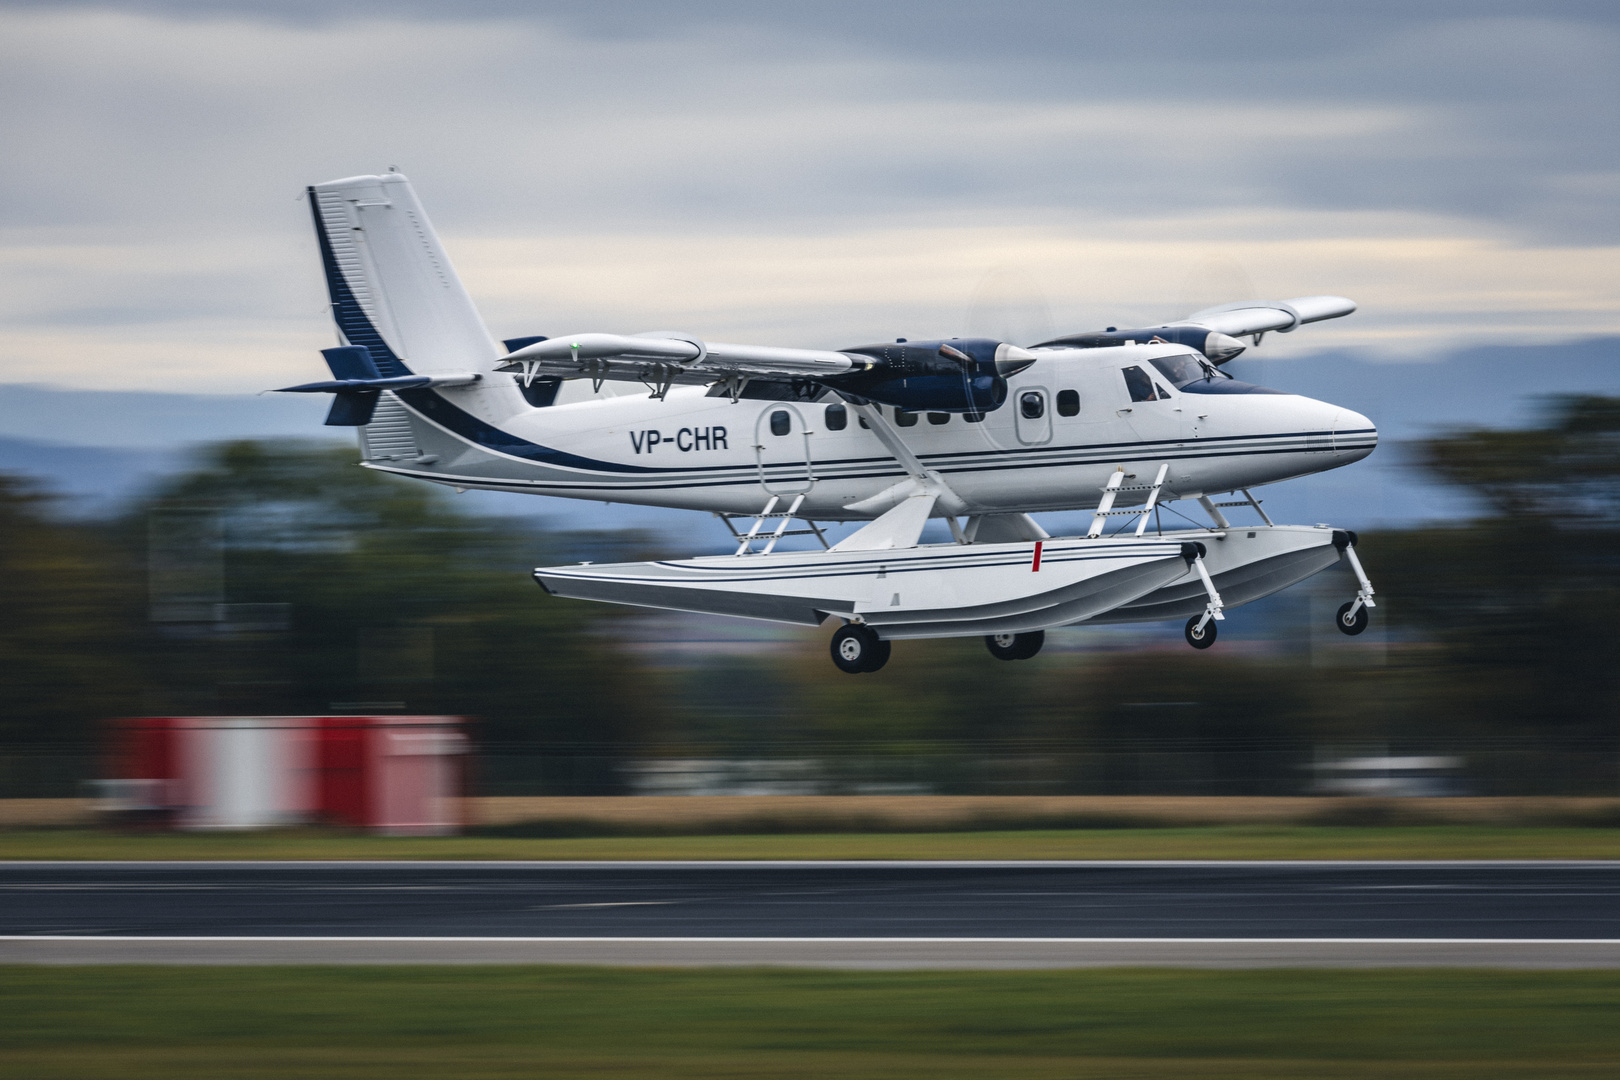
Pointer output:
x,y
910,503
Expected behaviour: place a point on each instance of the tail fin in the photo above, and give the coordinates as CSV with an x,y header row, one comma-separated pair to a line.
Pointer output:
x,y
392,286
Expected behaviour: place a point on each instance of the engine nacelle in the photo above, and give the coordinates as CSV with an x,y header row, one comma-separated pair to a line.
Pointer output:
x,y
959,375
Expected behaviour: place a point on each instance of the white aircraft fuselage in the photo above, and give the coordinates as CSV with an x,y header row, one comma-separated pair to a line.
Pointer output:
x,y
891,435
699,452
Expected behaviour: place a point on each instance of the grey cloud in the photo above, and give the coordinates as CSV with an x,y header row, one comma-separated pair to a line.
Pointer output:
x,y
186,130
639,116
955,30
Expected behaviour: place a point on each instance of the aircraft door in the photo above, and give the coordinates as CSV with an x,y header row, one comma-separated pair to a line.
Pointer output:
x,y
782,450
1154,411
1033,414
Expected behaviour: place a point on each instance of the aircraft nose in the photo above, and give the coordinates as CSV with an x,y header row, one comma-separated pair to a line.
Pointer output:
x,y
1353,434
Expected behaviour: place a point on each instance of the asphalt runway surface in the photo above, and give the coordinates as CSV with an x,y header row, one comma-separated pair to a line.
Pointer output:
x,y
866,914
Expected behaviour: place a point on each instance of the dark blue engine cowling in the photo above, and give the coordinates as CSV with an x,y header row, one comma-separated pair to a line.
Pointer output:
x,y
957,375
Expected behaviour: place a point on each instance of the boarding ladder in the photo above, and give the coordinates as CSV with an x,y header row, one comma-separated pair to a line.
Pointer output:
x,y
783,518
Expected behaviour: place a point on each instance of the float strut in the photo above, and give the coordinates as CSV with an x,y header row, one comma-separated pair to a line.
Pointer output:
x,y
1364,595
1213,609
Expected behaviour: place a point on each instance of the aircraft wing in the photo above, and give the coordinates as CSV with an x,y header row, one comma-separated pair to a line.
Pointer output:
x,y
663,359
1266,316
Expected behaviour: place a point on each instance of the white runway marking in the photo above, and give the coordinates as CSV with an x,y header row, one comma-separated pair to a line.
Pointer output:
x,y
845,940
848,953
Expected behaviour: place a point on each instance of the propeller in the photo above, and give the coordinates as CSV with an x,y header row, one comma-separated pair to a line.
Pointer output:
x,y
1009,305
1213,280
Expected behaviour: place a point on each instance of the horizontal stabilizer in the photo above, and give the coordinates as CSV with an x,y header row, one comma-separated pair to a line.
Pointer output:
x,y
355,370
398,382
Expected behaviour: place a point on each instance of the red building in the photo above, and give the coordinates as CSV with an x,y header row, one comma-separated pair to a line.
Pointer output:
x,y
395,774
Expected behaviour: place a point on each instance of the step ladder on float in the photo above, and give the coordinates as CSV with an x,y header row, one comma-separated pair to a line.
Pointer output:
x,y
746,541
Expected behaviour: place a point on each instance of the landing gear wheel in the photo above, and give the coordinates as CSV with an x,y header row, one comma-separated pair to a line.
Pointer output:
x,y
1351,624
857,649
1015,646
1200,639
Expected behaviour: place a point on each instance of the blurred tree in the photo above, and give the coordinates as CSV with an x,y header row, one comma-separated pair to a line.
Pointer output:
x,y
1186,723
1525,598
321,586
69,633
392,600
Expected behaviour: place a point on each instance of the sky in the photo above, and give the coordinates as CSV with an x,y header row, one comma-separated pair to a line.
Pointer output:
x,y
812,173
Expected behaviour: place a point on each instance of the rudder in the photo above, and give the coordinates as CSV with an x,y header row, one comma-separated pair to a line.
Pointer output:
x,y
392,287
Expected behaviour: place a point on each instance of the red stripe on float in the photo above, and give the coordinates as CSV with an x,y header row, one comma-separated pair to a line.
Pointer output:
x,y
1036,565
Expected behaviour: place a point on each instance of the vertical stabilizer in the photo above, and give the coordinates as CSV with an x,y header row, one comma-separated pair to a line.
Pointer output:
x,y
392,286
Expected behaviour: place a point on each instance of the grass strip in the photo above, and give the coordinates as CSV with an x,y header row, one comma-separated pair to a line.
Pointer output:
x,y
408,1022
1206,842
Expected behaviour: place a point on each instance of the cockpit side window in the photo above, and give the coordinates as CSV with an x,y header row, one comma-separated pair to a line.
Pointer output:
x,y
1139,384
1182,369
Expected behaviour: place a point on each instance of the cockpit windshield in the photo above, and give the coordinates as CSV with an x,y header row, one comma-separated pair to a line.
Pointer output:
x,y
1191,374
1186,368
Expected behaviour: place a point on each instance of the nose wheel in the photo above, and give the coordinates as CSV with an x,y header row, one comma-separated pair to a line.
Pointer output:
x,y
1200,631
1015,646
1352,618
857,650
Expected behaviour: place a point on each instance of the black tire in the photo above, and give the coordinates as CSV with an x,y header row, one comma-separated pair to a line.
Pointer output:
x,y
1348,625
1200,639
1002,646
1015,646
857,649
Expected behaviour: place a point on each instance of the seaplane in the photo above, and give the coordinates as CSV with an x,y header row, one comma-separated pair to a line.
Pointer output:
x,y
1129,424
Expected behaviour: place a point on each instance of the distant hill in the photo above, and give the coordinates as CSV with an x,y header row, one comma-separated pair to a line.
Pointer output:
x,y
102,445
142,420
1493,385
93,479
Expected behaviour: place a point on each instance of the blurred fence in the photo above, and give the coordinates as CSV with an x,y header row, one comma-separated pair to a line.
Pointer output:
x,y
1497,767
51,772
1507,766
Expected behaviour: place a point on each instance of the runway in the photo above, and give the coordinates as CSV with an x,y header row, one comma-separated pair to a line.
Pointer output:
x,y
865,914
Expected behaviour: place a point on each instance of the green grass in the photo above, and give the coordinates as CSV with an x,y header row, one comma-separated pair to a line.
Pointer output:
x,y
1209,842
403,1023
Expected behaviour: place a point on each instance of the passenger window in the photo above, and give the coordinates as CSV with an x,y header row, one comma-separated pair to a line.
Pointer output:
x,y
1032,403
781,422
905,419
1139,384
939,418
1068,403
837,418
973,418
